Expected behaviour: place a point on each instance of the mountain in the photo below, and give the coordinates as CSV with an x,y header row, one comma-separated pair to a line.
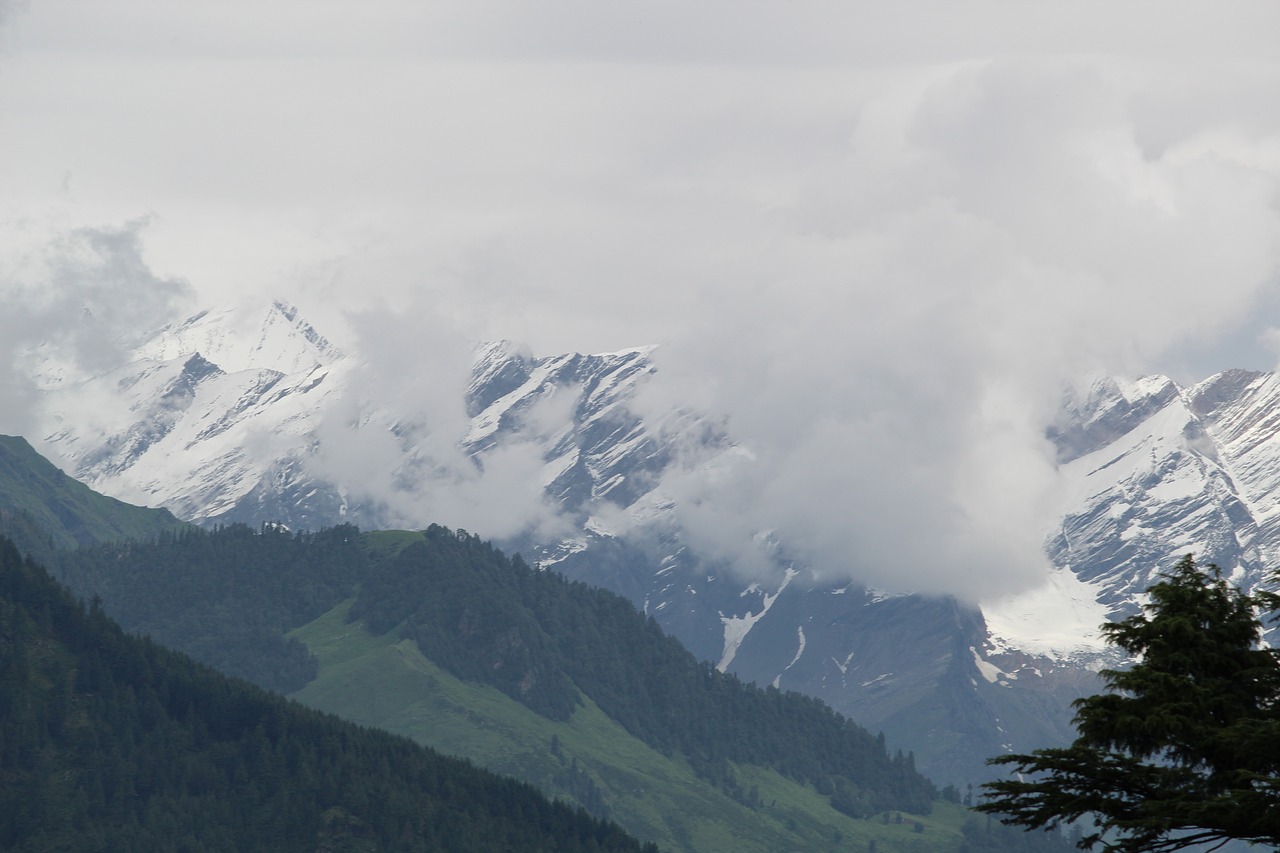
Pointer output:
x,y
194,421
109,742
235,416
1158,470
43,510
230,417
1154,471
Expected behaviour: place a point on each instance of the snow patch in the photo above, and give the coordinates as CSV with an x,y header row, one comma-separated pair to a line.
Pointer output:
x,y
990,671
567,548
736,628
875,596
1143,387
1184,482
1059,620
799,652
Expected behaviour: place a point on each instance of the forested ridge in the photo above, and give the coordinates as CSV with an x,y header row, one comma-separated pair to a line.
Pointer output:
x,y
111,742
541,639
227,597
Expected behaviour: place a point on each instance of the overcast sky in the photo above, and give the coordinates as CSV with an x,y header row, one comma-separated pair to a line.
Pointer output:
x,y
876,237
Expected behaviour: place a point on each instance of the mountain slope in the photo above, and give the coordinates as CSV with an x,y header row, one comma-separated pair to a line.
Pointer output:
x,y
228,598
1156,471
589,758
110,742
43,509
563,685
548,644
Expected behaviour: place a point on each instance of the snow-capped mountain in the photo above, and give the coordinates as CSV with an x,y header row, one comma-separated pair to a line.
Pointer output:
x,y
1154,471
211,417
231,416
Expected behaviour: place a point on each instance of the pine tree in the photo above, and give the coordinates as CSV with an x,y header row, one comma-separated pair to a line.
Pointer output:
x,y
1185,747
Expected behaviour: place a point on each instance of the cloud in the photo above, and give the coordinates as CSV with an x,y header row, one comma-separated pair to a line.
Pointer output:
x,y
892,355
9,7
873,245
395,441
82,298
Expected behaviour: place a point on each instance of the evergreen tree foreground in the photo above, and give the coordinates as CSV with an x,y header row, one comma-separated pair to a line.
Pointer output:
x,y
1185,748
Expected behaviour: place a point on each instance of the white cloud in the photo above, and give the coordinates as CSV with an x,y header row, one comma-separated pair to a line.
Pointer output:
x,y
983,239
875,238
82,298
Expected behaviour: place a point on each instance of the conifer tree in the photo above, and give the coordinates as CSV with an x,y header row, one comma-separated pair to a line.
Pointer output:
x,y
1184,749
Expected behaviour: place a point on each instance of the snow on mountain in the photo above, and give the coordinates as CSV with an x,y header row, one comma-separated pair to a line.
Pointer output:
x,y
205,411
1152,471
244,416
1155,471
736,628
238,339
1059,620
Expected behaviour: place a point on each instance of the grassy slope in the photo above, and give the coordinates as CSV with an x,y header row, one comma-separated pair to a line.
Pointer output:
x,y
66,512
384,682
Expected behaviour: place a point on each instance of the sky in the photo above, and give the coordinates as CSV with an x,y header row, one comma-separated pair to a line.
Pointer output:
x,y
876,239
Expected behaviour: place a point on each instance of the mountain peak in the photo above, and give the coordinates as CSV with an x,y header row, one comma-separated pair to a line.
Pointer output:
x,y
245,337
1222,388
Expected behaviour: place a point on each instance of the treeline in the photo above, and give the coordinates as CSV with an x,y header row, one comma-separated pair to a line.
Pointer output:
x,y
226,597
111,742
541,638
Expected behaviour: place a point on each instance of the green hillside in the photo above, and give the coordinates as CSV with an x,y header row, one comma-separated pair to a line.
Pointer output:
x,y
386,682
110,742
44,510
438,636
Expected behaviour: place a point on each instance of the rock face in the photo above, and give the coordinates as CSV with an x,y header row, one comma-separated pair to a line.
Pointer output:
x,y
221,419
1157,471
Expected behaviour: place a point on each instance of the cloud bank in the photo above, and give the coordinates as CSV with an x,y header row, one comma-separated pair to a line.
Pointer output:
x,y
894,354
875,242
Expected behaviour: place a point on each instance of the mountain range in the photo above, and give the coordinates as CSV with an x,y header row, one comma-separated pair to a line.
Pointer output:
x,y
230,416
